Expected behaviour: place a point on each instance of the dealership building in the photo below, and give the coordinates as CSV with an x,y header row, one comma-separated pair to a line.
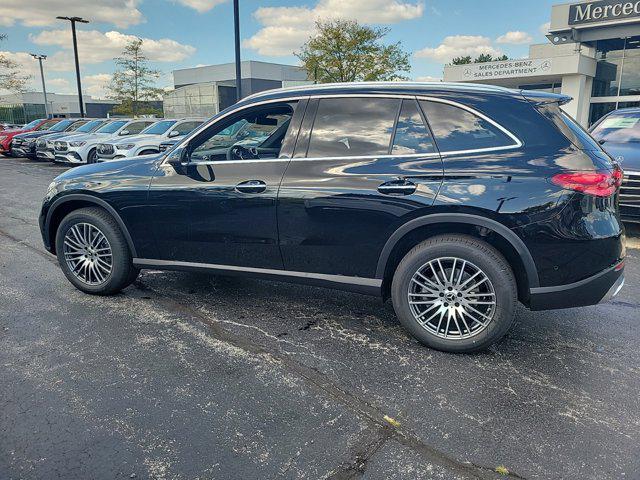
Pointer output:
x,y
207,89
593,55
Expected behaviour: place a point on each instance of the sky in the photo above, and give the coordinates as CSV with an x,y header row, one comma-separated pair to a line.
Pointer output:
x,y
188,33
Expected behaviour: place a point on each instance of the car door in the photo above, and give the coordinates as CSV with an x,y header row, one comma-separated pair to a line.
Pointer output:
x,y
362,167
218,207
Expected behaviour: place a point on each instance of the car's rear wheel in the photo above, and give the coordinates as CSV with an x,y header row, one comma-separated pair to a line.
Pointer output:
x,y
93,252
455,293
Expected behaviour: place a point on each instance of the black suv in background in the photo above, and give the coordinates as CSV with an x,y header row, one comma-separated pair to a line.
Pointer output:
x,y
455,201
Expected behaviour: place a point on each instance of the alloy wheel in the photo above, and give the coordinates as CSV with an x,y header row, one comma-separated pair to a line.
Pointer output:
x,y
88,253
452,298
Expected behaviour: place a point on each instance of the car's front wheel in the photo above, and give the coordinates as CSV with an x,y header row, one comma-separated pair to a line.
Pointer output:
x,y
455,293
93,253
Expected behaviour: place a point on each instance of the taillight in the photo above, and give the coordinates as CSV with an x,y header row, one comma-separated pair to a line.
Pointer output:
x,y
598,184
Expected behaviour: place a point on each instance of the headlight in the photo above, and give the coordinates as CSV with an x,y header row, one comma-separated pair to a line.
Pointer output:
x,y
125,146
30,141
77,144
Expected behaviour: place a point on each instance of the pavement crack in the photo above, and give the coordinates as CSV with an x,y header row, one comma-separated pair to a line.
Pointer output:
x,y
363,450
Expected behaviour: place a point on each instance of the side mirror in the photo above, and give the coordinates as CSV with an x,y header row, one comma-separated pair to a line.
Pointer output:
x,y
174,133
124,132
179,159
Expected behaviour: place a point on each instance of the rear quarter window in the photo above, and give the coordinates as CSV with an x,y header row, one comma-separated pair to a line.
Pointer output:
x,y
569,127
456,129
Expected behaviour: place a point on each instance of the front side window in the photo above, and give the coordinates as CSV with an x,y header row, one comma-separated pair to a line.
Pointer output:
x,y
75,125
91,126
412,135
137,127
351,127
47,125
253,134
456,129
111,127
159,128
186,127
61,126
623,127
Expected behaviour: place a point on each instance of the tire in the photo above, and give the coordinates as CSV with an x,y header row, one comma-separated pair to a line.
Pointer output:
x,y
465,321
98,279
92,156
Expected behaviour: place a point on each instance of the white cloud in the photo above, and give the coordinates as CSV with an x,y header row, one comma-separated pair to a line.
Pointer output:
x,y
58,85
201,5
96,85
96,47
428,79
41,13
458,46
285,29
544,28
514,38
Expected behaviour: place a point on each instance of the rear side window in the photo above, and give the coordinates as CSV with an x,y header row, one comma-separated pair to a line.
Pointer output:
x,y
412,135
569,127
456,129
186,127
349,127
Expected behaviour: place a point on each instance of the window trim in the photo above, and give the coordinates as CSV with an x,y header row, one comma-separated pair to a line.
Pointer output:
x,y
516,145
517,142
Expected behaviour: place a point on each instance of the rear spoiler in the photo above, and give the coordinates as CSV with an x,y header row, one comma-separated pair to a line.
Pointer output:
x,y
542,98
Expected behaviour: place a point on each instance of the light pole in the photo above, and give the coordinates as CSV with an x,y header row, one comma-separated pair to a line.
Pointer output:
x,y
73,21
236,28
44,89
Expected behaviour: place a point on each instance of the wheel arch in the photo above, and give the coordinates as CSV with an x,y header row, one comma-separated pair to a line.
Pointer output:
x,y
488,230
68,203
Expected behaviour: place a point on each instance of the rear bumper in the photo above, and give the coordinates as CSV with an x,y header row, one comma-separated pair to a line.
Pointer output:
x,y
599,288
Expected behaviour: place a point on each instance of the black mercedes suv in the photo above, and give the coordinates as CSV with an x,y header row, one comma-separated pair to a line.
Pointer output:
x,y
455,201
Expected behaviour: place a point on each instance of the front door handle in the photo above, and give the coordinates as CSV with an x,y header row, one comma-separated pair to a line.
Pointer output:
x,y
251,186
398,187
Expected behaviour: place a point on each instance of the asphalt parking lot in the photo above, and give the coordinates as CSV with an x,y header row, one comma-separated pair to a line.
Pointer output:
x,y
186,376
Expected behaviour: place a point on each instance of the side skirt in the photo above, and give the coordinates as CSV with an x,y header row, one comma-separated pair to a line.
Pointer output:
x,y
367,286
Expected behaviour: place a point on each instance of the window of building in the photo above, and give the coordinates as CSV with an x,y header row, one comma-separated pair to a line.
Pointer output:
x,y
618,70
543,87
349,127
456,129
412,135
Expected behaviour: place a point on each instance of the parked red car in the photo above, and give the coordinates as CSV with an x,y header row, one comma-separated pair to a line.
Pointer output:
x,y
6,136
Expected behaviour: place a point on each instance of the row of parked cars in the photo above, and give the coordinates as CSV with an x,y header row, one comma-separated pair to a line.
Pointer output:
x,y
89,140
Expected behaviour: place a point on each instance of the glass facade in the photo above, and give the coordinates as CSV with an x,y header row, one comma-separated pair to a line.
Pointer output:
x,y
617,75
21,113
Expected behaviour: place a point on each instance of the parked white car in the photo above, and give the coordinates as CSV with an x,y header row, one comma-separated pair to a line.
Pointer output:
x,y
148,141
80,149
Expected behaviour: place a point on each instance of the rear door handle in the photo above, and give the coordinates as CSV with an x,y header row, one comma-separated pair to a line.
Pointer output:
x,y
251,186
398,187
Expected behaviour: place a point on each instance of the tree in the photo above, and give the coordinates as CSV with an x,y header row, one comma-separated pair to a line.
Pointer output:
x,y
462,60
482,58
134,82
345,51
10,77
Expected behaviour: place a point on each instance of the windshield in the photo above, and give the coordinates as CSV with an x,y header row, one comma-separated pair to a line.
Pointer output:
x,y
61,126
32,124
621,127
90,126
47,125
112,127
158,128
